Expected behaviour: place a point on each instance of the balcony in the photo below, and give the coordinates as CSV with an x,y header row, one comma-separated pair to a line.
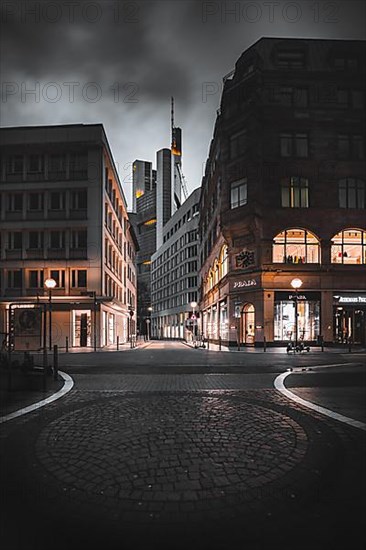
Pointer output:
x,y
78,254
56,253
13,254
35,253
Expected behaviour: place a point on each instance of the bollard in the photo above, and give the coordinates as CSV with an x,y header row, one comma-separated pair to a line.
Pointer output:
x,y
117,343
219,343
349,346
322,344
55,362
264,344
45,368
67,344
208,343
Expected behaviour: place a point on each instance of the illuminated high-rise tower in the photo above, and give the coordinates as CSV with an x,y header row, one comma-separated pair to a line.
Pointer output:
x,y
176,149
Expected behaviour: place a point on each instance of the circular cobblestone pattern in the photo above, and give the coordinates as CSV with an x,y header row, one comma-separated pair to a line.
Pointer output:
x,y
170,449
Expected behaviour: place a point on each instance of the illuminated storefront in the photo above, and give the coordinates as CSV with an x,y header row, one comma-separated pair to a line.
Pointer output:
x,y
349,312
308,307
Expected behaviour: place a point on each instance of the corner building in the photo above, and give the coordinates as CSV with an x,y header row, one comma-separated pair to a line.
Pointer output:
x,y
64,216
283,197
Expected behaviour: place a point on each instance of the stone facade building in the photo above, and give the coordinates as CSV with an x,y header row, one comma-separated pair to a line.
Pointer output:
x,y
283,197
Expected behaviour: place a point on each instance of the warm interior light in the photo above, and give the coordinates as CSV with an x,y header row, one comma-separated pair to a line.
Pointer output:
x,y
147,262
139,193
150,222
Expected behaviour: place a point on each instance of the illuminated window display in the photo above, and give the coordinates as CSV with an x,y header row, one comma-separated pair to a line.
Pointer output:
x,y
349,247
296,246
308,308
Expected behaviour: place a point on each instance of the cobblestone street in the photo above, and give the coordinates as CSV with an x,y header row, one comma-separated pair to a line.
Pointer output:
x,y
172,465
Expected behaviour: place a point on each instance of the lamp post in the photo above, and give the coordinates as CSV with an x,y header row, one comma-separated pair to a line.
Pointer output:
x,y
193,306
50,284
148,323
296,284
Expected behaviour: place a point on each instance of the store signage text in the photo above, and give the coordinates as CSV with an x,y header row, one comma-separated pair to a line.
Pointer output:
x,y
352,299
244,284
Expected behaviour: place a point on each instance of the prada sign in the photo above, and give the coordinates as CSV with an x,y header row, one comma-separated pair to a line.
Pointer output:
x,y
244,283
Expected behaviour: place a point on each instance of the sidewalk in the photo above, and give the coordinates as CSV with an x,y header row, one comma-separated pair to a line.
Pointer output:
x,y
14,400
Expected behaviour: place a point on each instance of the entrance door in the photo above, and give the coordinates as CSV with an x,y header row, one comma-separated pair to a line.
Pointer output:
x,y
81,328
350,324
248,324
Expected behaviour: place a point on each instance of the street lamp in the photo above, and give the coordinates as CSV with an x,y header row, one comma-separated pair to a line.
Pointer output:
x,y
296,284
148,321
193,306
50,284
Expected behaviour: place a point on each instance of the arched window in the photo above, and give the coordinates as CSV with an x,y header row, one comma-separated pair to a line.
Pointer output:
x,y
210,279
349,247
351,193
296,246
224,261
216,272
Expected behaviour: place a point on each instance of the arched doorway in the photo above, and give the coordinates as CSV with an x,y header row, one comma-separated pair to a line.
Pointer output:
x,y
248,325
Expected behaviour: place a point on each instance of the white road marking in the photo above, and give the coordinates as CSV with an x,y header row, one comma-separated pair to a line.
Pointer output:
x,y
69,382
280,386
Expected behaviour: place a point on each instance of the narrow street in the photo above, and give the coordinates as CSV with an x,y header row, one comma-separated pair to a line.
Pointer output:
x,y
171,447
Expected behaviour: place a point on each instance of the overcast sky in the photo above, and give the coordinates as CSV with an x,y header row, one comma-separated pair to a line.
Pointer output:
x,y
120,62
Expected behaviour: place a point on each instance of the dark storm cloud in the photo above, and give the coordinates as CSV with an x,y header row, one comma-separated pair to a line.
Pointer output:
x,y
125,60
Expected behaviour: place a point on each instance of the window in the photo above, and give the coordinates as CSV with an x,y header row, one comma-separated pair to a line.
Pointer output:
x,y
79,200
57,200
78,166
14,165
351,193
35,239
345,63
295,192
292,97
57,166
79,239
15,202
351,146
238,144
296,246
59,276
294,145
350,98
15,240
15,278
349,247
35,201
35,164
224,261
35,278
79,278
239,193
291,59
57,239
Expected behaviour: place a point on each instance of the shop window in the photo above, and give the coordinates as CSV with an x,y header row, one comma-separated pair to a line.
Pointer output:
x,y
349,247
296,246
351,193
295,192
239,193
308,321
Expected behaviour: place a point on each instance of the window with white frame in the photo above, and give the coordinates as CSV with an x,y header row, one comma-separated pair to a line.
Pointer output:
x,y
238,193
349,247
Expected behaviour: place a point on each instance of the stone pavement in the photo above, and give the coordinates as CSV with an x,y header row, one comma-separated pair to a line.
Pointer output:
x,y
181,469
